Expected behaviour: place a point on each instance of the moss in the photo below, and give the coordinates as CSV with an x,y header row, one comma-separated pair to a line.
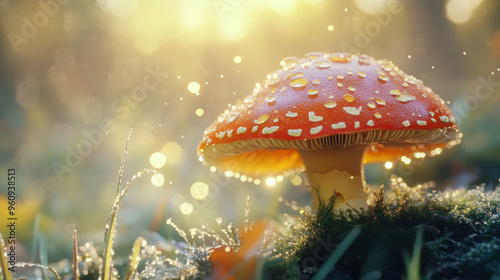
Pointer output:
x,y
461,237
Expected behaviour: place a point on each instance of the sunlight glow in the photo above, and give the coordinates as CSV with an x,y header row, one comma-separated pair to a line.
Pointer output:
x,y
460,11
270,182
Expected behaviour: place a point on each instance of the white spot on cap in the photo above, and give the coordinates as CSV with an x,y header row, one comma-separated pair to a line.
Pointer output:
x,y
420,122
433,120
356,124
241,130
295,132
444,119
291,114
314,118
229,133
370,123
406,123
232,117
316,130
270,99
254,128
269,130
431,113
339,125
221,134
405,97
353,110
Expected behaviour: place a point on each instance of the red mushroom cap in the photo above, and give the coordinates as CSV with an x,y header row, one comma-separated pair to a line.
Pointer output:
x,y
328,100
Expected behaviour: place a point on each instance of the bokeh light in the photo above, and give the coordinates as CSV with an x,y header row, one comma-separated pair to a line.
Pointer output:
x,y
199,190
157,180
173,152
186,208
157,160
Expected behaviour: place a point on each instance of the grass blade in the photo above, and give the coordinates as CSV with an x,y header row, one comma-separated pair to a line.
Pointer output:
x,y
413,264
335,256
76,273
134,258
6,275
51,269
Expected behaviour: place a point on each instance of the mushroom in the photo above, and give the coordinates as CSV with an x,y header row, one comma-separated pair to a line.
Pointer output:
x,y
329,113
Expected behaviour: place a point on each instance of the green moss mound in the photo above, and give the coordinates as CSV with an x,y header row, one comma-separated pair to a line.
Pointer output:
x,y
460,240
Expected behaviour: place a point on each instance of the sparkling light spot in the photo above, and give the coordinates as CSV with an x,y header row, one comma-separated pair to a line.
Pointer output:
x,y
270,182
157,180
194,87
237,59
388,165
157,160
405,160
186,208
199,112
199,190
330,28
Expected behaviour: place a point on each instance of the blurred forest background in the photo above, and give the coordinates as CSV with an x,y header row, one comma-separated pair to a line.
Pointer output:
x,y
75,76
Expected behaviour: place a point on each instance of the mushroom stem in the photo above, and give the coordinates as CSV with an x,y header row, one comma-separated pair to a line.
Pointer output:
x,y
338,170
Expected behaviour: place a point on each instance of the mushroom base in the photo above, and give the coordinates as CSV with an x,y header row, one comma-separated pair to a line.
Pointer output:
x,y
339,171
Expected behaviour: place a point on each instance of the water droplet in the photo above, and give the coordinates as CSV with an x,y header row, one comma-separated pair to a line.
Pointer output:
x,y
340,58
371,105
380,101
384,77
316,82
339,84
261,119
395,92
312,91
361,74
377,115
348,97
352,88
340,76
298,83
330,104
323,64
298,75
289,62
